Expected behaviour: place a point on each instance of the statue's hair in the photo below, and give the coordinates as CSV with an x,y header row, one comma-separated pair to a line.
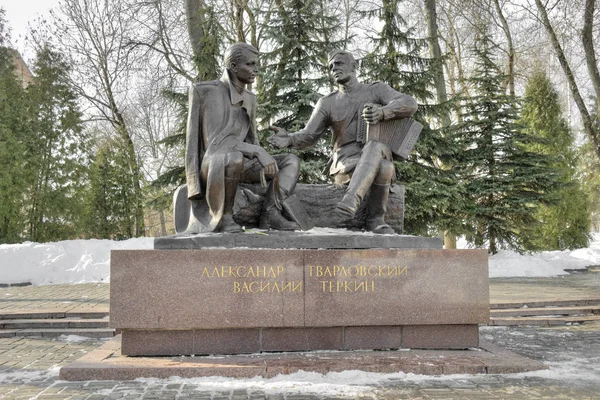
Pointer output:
x,y
233,54
338,52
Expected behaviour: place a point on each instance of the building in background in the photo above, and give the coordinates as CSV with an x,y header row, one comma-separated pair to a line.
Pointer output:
x,y
21,69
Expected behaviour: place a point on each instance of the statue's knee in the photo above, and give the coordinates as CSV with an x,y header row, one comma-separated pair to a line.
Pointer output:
x,y
373,147
289,162
234,164
235,158
386,172
294,161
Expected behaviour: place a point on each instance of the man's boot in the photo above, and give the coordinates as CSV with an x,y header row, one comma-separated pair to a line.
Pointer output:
x,y
377,207
271,217
228,225
361,181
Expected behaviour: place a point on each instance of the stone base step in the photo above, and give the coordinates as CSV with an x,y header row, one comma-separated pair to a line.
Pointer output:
x,y
543,321
62,323
92,333
51,314
107,363
541,311
552,303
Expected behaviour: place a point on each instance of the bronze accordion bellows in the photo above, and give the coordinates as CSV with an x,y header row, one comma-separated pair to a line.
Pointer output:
x,y
400,135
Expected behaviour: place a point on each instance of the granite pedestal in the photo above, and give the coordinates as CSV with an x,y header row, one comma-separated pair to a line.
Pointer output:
x,y
318,294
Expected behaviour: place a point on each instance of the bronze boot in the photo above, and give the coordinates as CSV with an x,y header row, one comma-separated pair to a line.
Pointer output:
x,y
228,225
271,217
361,181
377,207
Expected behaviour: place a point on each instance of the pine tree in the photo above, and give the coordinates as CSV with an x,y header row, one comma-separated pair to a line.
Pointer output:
x,y
397,58
566,223
588,167
110,199
58,150
15,173
295,73
504,177
433,198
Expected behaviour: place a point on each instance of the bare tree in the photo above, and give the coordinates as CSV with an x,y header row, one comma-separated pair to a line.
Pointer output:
x,y
152,118
587,38
160,31
586,117
94,34
510,69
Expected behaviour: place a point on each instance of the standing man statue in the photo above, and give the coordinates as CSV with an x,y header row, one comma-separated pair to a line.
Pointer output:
x,y
222,150
362,165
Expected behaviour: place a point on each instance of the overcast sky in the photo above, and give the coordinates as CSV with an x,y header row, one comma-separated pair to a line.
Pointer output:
x,y
21,12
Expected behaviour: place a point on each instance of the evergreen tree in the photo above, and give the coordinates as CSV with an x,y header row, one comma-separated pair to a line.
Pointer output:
x,y
565,224
14,171
110,199
588,167
397,58
58,152
296,71
504,177
433,198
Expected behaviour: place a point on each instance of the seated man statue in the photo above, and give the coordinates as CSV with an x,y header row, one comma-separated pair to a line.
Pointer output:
x,y
222,150
362,164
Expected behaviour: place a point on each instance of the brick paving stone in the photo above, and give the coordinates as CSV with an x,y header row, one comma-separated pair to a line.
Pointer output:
x,y
257,396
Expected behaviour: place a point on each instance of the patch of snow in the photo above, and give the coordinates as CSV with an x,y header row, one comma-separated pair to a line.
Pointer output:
x,y
69,261
574,370
348,384
507,263
74,338
25,376
352,384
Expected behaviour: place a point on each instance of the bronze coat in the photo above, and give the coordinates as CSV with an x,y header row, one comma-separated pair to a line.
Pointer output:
x,y
220,121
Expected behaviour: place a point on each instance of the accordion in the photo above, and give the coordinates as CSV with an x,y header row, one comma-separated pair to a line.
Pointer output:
x,y
400,135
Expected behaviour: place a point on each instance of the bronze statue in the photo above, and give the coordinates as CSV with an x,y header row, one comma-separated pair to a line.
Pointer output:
x,y
363,164
222,150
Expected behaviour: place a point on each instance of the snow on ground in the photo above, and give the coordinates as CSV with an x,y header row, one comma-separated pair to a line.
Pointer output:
x,y
507,263
78,261
352,384
69,261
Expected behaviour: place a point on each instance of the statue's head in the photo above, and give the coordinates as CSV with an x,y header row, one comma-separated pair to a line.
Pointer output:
x,y
342,66
241,60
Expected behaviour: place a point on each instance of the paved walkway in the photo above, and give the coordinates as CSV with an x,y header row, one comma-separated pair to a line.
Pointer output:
x,y
576,286
29,366
60,298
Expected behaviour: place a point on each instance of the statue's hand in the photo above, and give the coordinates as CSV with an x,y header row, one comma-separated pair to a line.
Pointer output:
x,y
280,139
268,163
372,113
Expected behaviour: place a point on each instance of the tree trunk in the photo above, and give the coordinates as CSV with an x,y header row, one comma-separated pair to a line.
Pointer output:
x,y
436,53
163,226
440,84
510,68
238,19
588,46
194,15
586,118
